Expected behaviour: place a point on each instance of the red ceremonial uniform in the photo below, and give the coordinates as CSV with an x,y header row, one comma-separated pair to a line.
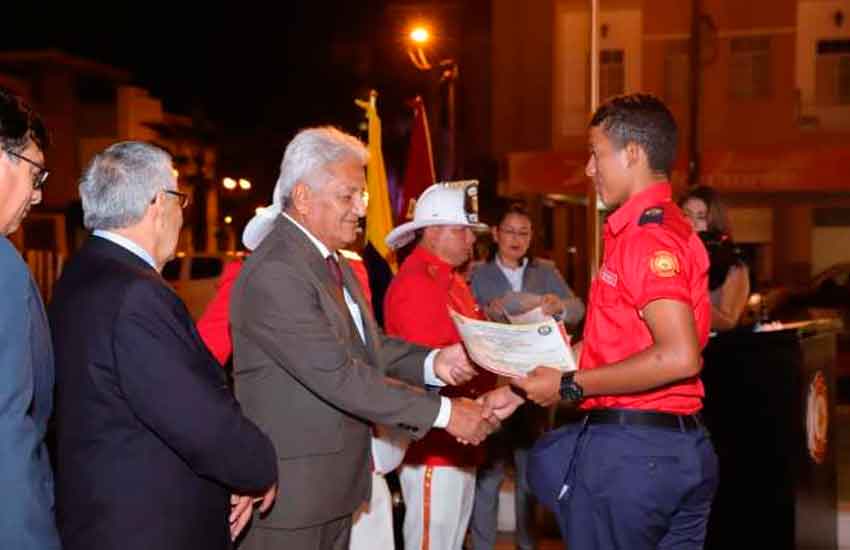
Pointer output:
x,y
214,324
416,310
651,253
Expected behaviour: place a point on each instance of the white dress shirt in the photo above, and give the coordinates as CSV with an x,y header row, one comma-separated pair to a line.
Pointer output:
x,y
126,243
514,275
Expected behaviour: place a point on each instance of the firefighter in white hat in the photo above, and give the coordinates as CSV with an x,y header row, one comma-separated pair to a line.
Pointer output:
x,y
438,476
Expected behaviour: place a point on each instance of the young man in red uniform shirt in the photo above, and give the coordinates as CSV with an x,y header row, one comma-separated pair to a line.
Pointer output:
x,y
644,472
438,475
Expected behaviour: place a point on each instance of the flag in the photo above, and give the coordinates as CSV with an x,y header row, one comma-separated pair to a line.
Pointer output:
x,y
379,215
419,171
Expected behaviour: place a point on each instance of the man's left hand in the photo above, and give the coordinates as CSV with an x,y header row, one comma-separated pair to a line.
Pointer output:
x,y
542,385
452,366
241,507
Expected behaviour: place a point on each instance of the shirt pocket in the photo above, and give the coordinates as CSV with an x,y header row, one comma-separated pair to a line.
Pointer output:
x,y
606,290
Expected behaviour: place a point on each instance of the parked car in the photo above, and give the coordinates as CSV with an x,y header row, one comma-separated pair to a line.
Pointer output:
x,y
194,276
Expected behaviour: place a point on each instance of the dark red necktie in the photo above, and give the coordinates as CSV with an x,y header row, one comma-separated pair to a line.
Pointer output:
x,y
336,272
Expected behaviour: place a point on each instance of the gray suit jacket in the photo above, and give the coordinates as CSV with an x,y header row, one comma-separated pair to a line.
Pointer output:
x,y
540,277
304,375
26,401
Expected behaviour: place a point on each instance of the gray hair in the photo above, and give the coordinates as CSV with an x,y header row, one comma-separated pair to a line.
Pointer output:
x,y
310,151
120,183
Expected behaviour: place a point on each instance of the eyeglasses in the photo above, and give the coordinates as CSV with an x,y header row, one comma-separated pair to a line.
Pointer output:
x,y
40,177
184,197
512,233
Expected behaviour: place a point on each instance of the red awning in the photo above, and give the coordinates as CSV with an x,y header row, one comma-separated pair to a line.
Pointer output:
x,y
775,169
765,169
546,172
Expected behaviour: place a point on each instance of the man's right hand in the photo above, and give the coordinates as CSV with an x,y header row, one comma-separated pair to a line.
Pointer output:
x,y
471,422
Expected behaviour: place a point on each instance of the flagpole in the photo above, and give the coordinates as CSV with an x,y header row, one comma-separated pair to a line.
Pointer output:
x,y
593,235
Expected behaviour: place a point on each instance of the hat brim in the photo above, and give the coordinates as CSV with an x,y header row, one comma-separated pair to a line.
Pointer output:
x,y
258,228
404,233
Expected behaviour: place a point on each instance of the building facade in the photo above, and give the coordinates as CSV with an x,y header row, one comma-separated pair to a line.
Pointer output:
x,y
768,123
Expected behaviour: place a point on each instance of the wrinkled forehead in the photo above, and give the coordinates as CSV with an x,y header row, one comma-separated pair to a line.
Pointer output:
x,y
345,175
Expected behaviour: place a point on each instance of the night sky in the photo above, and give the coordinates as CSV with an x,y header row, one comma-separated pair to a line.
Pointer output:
x,y
259,73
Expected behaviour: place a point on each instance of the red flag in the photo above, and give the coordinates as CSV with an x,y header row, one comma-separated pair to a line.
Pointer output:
x,y
419,172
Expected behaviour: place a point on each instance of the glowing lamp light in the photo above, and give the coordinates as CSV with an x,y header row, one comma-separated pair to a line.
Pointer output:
x,y
228,219
420,35
229,183
244,184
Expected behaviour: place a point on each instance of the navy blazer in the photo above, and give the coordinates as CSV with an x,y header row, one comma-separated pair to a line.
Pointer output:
x,y
150,440
26,400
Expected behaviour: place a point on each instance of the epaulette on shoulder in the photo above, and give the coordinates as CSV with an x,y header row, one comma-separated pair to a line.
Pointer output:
x,y
654,214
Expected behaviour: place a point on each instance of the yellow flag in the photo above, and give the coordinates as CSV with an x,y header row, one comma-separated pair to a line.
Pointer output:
x,y
379,214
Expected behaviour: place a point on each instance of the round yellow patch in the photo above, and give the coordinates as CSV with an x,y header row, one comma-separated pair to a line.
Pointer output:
x,y
664,264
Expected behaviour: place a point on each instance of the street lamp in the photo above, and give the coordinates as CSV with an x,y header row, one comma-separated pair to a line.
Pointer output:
x,y
419,37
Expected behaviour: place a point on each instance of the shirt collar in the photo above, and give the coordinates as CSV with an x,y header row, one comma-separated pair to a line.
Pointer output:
x,y
323,250
631,210
522,264
127,244
424,255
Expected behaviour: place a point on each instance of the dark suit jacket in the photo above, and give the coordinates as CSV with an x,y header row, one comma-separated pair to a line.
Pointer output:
x,y
150,439
26,400
305,376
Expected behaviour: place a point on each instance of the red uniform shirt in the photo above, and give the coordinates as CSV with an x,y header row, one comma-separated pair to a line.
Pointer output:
x,y
651,253
214,324
416,310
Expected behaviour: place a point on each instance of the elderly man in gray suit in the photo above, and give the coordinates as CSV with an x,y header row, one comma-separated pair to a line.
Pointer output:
x,y
312,367
26,355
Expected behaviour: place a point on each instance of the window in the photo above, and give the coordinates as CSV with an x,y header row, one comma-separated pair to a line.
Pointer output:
x,y
205,268
832,73
612,73
677,71
749,67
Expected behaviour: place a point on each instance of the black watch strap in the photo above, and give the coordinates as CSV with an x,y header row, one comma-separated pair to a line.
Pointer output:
x,y
570,389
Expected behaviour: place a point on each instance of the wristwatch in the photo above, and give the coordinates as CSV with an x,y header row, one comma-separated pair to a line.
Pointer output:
x,y
570,389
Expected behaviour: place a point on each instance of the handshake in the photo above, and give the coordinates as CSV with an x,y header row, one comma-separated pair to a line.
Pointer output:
x,y
472,421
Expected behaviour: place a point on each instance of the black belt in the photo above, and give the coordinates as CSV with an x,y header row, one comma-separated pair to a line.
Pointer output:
x,y
631,417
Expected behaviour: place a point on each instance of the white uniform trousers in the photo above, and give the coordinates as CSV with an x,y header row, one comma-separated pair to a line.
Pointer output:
x,y
438,502
372,527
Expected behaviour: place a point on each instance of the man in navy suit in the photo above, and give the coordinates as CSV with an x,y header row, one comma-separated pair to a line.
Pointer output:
x,y
151,442
26,358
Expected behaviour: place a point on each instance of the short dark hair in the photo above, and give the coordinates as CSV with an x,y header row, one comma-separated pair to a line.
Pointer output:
x,y
516,208
19,124
642,119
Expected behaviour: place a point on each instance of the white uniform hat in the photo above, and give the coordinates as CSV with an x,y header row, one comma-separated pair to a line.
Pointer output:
x,y
450,203
260,226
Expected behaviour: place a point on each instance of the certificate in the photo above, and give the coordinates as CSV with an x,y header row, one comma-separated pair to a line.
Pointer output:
x,y
515,350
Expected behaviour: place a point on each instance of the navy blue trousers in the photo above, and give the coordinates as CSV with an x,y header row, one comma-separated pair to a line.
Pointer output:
x,y
636,488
